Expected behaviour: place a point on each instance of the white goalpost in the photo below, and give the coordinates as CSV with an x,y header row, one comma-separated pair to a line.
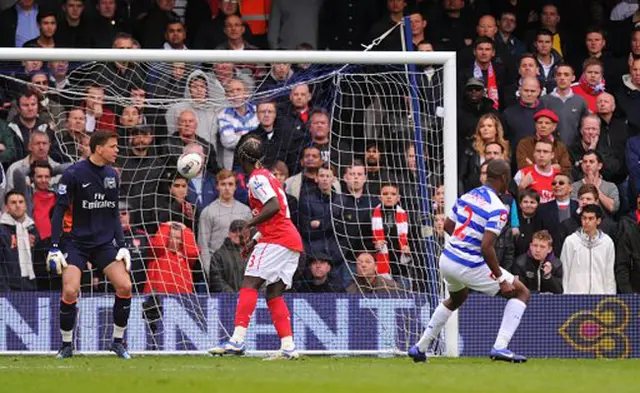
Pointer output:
x,y
372,99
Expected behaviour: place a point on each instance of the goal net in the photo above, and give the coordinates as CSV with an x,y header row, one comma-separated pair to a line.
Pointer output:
x,y
382,124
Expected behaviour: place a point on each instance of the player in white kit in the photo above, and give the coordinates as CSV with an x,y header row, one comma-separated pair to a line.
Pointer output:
x,y
274,257
469,261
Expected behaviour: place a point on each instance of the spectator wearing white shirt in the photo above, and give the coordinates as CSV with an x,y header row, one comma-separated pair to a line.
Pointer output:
x,y
588,257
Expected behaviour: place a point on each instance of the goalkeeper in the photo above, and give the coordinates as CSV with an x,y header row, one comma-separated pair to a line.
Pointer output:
x,y
87,204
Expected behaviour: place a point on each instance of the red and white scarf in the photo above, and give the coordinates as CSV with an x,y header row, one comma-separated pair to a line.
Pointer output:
x,y
492,83
593,90
377,225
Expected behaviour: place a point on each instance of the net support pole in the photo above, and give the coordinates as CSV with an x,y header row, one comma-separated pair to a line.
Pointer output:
x,y
450,132
421,156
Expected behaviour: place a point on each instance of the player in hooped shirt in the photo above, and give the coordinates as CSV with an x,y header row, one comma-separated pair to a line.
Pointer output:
x,y
274,258
88,196
469,261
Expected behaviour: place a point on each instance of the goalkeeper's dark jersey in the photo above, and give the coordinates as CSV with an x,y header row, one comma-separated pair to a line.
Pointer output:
x,y
88,195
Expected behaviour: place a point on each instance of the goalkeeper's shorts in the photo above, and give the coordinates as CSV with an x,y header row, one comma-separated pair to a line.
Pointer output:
x,y
273,262
100,256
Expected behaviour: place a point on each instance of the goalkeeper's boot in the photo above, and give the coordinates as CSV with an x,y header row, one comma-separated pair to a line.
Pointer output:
x,y
284,354
120,350
415,354
506,355
65,352
229,347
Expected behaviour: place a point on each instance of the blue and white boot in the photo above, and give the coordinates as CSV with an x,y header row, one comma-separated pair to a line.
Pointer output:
x,y
284,354
506,355
229,347
120,350
415,354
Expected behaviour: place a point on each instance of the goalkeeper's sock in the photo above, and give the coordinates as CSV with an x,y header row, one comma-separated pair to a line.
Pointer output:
x,y
510,322
121,310
282,321
247,301
436,323
67,321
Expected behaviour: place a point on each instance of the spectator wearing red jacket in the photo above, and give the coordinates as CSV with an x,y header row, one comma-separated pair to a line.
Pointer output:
x,y
174,251
591,83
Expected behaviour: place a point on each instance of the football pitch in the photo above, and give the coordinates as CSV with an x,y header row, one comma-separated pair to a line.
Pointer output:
x,y
313,374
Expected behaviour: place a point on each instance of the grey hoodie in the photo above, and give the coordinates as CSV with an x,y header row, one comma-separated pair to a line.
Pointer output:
x,y
206,112
588,264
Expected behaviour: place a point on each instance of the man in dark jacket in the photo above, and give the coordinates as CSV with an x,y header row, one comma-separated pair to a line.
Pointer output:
x,y
151,27
518,118
314,216
137,242
484,66
627,266
539,269
227,265
18,238
560,209
318,277
280,141
18,24
628,97
472,105
106,25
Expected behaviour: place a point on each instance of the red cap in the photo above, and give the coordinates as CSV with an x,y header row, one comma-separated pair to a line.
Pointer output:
x,y
546,113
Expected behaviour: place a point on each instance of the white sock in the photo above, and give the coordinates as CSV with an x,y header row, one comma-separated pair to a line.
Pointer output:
x,y
436,323
510,321
238,334
118,332
286,343
67,335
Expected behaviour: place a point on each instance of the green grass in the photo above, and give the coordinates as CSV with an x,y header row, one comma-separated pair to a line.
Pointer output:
x,y
326,375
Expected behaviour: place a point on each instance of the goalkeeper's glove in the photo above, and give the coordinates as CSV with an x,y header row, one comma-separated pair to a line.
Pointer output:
x,y
56,260
124,256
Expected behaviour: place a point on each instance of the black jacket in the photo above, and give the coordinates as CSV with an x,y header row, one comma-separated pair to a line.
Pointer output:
x,y
330,285
612,163
10,277
528,226
285,145
530,274
72,36
103,31
465,72
352,219
548,212
150,29
469,170
627,266
227,268
344,25
614,136
137,242
8,27
468,116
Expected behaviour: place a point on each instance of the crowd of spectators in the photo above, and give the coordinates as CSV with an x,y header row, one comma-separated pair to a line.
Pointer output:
x,y
552,87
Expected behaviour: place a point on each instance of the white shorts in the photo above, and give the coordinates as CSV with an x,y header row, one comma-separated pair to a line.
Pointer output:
x,y
273,262
479,279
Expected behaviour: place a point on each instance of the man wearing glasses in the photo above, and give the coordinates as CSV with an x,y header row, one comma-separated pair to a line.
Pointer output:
x,y
563,207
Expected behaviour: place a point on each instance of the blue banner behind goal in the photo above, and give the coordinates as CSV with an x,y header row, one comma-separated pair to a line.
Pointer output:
x,y
553,326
